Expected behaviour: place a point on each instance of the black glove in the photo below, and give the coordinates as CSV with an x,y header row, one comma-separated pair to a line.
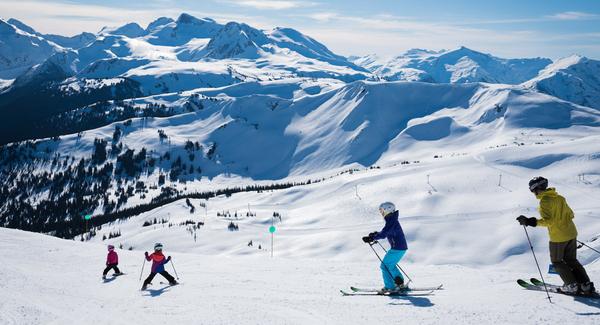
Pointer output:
x,y
367,239
373,234
524,221
168,258
146,254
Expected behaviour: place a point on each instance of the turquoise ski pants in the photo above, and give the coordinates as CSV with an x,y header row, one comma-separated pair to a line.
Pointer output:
x,y
391,258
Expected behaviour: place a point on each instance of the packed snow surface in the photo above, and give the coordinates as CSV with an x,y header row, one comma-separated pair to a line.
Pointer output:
x,y
458,216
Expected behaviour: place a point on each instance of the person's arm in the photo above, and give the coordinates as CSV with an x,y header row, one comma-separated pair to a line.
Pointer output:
x,y
148,257
545,213
384,232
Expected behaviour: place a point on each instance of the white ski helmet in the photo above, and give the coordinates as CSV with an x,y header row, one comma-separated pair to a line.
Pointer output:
x,y
158,247
386,208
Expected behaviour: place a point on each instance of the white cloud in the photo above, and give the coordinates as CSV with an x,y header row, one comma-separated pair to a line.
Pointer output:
x,y
272,4
574,15
391,35
323,16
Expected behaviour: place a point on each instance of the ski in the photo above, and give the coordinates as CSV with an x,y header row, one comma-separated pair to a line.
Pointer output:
x,y
389,294
112,277
552,288
556,288
408,289
539,283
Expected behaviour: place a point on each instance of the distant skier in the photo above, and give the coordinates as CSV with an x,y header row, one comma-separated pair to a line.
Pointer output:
x,y
557,216
112,260
158,266
392,278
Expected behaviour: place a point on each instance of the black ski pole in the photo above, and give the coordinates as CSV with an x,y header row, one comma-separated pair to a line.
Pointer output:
x,y
398,266
173,265
386,268
536,262
142,272
584,244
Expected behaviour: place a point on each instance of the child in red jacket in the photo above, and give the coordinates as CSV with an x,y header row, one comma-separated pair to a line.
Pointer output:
x,y
158,266
112,260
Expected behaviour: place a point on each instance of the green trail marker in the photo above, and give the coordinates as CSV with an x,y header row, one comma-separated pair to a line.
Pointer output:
x,y
272,231
87,218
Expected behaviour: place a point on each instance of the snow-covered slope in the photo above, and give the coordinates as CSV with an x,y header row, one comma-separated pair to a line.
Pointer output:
x,y
461,65
19,50
459,224
270,130
575,79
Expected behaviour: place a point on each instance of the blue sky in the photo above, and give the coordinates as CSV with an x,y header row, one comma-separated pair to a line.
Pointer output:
x,y
505,28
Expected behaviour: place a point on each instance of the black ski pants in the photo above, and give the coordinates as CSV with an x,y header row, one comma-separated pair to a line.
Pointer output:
x,y
166,274
109,267
564,258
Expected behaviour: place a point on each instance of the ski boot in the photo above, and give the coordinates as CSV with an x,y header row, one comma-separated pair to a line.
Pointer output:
x,y
385,291
588,288
571,289
400,285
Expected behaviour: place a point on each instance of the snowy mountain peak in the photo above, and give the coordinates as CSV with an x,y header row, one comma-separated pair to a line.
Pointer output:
x,y
574,78
236,40
185,18
305,45
19,50
22,26
158,23
131,30
167,32
460,65
420,52
6,28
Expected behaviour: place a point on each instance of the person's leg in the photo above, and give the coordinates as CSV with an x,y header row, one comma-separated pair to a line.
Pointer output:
x,y
389,271
167,276
116,268
557,256
149,279
108,267
579,272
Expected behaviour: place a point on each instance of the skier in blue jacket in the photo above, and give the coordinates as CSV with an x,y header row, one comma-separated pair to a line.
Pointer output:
x,y
392,278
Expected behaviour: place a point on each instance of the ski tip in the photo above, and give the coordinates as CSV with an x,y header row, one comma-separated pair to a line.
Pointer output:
x,y
354,289
523,283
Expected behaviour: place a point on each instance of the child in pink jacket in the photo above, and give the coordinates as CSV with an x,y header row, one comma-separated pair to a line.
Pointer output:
x,y
112,260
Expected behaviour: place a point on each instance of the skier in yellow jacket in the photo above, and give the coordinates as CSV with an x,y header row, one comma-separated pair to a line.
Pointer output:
x,y
557,216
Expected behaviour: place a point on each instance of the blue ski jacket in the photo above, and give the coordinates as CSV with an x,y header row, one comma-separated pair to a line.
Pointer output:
x,y
393,232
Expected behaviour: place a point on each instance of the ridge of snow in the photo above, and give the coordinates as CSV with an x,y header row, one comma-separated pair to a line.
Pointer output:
x,y
574,78
460,65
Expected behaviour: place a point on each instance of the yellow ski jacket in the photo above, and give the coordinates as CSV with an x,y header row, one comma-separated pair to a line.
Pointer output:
x,y
557,216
